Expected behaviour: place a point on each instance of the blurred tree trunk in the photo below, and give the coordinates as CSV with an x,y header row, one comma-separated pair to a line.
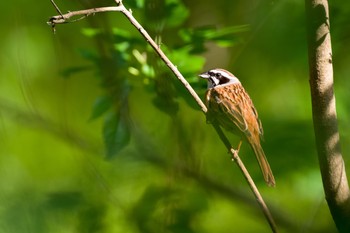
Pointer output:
x,y
324,113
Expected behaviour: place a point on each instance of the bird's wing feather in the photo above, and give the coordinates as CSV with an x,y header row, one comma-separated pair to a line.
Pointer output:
x,y
235,113
228,111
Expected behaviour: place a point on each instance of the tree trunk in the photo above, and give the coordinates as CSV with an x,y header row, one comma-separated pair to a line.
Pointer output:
x,y
331,162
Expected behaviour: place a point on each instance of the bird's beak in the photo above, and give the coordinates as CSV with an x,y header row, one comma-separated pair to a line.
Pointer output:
x,y
204,75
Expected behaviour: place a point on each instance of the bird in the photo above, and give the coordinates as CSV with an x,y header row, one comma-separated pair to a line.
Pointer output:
x,y
230,105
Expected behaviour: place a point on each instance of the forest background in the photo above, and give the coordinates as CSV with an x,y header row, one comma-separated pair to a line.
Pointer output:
x,y
98,136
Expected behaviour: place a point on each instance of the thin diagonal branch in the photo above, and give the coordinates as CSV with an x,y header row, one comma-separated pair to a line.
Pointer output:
x,y
120,7
57,9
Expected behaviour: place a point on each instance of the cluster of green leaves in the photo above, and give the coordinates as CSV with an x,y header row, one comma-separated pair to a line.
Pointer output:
x,y
131,57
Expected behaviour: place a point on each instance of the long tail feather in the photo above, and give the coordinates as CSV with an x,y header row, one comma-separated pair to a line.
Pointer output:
x,y
264,164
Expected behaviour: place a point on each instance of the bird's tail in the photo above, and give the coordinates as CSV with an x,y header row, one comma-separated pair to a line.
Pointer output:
x,y
264,164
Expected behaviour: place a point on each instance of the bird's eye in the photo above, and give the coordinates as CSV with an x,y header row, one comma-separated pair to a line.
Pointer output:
x,y
217,75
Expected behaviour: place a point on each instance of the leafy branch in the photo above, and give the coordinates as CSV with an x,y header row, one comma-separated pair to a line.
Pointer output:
x,y
64,18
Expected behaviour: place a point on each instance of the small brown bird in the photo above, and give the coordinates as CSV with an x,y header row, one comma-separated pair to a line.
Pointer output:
x,y
231,106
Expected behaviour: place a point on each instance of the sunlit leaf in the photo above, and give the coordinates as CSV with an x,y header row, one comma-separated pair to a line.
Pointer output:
x,y
185,61
91,32
148,70
140,57
177,13
133,71
122,47
136,3
121,33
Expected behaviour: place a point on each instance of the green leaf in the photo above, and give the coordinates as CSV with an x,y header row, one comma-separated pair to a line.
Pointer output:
x,y
148,70
66,73
136,4
177,13
184,60
116,134
91,32
121,33
122,47
101,105
224,37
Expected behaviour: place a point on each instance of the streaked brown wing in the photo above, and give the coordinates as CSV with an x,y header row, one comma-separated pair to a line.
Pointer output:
x,y
259,125
220,102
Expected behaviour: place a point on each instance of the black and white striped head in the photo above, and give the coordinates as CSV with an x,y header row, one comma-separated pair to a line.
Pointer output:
x,y
219,77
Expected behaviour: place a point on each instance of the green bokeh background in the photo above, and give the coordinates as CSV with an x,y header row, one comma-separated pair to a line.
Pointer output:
x,y
174,175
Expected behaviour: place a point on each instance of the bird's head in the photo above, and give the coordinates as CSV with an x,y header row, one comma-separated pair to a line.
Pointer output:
x,y
219,77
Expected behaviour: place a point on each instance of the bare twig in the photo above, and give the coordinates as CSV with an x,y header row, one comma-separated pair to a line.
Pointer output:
x,y
63,19
324,113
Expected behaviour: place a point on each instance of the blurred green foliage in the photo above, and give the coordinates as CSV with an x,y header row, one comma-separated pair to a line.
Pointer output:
x,y
98,136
